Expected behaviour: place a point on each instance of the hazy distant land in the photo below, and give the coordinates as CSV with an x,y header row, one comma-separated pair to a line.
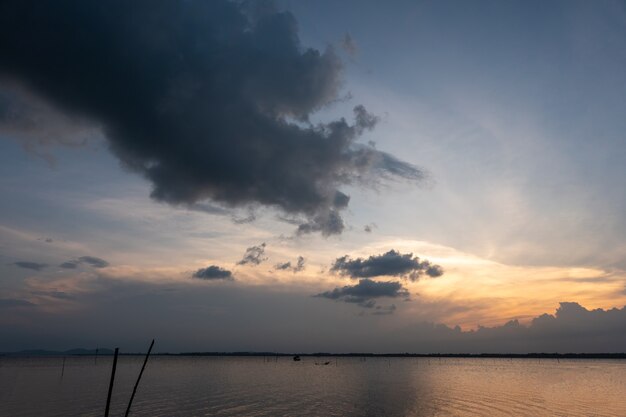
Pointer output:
x,y
107,351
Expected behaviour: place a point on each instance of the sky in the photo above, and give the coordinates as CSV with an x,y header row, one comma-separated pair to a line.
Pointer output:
x,y
294,176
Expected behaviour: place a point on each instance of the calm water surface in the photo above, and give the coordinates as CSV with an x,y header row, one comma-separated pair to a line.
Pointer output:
x,y
254,386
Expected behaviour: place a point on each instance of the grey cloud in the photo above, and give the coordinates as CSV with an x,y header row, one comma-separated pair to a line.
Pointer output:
x,y
392,263
365,292
35,266
14,302
89,260
93,261
283,266
328,223
341,200
208,208
287,266
221,211
348,45
369,228
232,318
364,119
243,220
289,220
61,295
572,329
35,122
385,310
208,101
299,264
254,255
213,272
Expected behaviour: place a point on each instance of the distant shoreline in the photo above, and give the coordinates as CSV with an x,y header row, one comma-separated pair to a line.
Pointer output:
x,y
108,352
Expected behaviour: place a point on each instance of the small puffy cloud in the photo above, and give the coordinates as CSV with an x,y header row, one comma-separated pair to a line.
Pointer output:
x,y
93,261
364,119
369,228
254,255
392,263
287,266
213,272
365,292
35,266
88,260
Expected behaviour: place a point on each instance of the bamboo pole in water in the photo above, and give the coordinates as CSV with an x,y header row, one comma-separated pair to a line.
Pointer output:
x,y
145,361
106,410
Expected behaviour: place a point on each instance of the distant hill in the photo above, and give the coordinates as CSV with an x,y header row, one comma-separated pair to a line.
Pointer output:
x,y
41,352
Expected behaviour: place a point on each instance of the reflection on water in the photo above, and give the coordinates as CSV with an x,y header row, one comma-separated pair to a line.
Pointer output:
x,y
254,386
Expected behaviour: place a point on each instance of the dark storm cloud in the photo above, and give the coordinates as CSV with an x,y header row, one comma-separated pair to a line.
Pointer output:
x,y
253,255
365,292
209,100
35,122
287,266
213,272
392,263
35,266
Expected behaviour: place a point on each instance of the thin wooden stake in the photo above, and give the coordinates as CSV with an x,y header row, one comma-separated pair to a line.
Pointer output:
x,y
106,410
63,368
145,361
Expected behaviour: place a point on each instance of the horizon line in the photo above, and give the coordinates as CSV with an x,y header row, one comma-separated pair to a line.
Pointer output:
x,y
109,352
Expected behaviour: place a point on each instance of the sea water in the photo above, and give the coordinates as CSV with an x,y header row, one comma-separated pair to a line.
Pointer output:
x,y
346,386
